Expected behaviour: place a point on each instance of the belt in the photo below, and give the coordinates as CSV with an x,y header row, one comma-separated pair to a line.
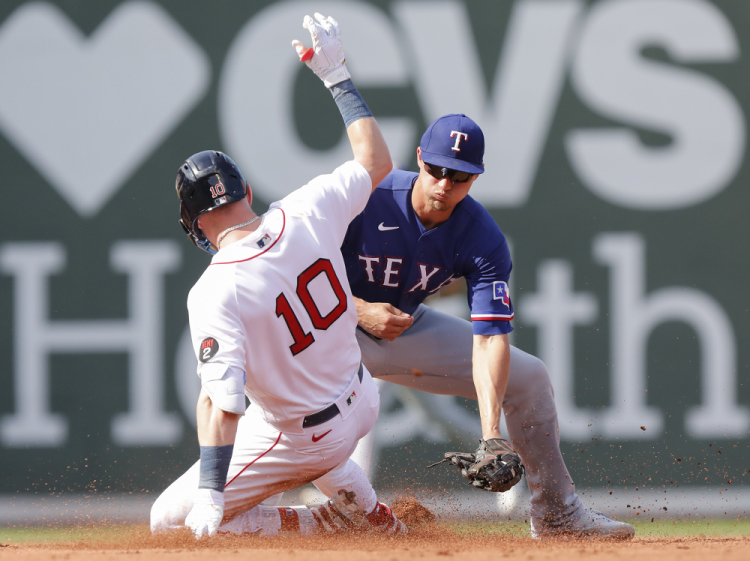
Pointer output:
x,y
328,413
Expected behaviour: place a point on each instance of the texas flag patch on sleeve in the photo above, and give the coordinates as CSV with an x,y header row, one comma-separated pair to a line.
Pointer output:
x,y
499,308
500,292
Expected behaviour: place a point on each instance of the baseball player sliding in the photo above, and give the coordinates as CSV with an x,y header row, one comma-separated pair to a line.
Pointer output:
x,y
418,232
273,318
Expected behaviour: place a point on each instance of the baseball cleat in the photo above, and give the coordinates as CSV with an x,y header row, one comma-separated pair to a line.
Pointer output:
x,y
586,524
331,519
384,521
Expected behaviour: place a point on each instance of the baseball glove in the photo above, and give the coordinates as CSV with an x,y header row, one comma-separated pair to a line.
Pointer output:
x,y
494,467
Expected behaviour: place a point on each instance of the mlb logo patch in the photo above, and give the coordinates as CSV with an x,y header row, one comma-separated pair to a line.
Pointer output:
x,y
351,398
220,201
500,292
263,241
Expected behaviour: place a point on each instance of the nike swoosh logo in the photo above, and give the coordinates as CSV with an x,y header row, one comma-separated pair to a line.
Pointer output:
x,y
316,438
383,228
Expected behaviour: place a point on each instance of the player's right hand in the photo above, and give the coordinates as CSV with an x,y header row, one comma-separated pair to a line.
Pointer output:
x,y
381,319
205,516
326,57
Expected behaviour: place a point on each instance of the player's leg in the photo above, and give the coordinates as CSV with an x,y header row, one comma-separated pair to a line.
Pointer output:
x,y
265,462
352,504
352,500
438,348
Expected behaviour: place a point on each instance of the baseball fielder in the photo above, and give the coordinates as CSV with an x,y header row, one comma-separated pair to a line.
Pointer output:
x,y
418,232
272,318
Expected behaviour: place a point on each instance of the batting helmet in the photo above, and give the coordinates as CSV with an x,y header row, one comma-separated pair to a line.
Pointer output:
x,y
206,181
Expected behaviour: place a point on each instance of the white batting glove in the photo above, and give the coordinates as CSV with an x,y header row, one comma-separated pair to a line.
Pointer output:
x,y
326,57
205,516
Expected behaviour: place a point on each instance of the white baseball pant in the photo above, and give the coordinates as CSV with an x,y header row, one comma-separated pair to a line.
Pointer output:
x,y
267,461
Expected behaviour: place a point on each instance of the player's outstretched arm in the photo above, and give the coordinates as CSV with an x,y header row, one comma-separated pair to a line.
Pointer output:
x,y
216,432
326,58
490,367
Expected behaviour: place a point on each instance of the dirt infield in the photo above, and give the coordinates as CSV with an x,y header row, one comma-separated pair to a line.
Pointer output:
x,y
427,544
429,539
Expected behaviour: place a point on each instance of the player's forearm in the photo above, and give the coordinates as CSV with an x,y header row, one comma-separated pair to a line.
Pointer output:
x,y
491,366
370,149
368,144
215,427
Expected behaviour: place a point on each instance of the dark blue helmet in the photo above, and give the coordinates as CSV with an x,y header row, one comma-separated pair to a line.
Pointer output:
x,y
206,181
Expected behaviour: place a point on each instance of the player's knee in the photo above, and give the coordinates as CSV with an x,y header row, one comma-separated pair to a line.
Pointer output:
x,y
536,378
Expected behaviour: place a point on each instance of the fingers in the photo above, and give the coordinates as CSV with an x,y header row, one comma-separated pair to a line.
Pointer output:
x,y
404,320
329,24
314,29
324,22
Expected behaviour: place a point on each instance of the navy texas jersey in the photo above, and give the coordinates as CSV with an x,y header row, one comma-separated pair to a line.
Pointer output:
x,y
390,257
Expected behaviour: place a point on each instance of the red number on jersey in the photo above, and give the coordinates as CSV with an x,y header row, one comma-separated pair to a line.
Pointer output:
x,y
303,340
321,266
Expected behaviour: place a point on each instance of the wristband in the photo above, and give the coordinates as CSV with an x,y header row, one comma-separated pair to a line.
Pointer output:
x,y
214,467
350,103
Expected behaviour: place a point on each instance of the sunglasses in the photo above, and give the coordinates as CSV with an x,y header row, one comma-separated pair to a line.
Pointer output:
x,y
453,174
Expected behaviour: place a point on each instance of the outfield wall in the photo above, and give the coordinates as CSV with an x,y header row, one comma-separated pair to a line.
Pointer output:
x,y
617,165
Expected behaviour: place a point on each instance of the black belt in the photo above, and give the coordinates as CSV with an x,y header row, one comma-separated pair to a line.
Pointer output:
x,y
328,413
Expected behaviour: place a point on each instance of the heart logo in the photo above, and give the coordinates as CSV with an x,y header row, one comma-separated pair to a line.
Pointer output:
x,y
86,111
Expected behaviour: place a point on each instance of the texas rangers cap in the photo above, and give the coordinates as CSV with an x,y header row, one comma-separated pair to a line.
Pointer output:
x,y
454,141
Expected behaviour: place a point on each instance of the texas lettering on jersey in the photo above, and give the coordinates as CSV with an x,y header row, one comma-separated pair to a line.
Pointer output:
x,y
390,257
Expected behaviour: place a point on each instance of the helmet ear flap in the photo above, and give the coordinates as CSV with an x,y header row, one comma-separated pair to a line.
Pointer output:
x,y
194,233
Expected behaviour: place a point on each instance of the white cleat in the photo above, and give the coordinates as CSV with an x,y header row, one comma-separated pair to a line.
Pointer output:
x,y
585,525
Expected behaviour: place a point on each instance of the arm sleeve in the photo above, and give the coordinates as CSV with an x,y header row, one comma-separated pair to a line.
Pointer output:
x,y
336,198
225,385
216,331
488,293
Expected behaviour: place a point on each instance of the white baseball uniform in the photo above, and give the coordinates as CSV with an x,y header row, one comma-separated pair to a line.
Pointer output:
x,y
276,306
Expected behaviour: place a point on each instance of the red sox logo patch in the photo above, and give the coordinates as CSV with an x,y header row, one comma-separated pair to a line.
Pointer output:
x,y
209,348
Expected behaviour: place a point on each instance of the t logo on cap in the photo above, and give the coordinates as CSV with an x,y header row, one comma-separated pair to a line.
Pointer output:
x,y
459,136
454,142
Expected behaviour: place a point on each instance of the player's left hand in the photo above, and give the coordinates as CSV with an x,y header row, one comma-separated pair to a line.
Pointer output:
x,y
494,467
205,516
326,57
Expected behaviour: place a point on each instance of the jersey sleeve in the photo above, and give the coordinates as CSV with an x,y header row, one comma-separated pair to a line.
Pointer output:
x,y
337,197
216,332
488,294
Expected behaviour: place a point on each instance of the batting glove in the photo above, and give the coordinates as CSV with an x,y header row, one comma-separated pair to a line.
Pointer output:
x,y
205,516
326,57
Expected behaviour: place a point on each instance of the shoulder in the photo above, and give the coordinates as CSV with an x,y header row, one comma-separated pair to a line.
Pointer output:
x,y
472,215
215,288
347,179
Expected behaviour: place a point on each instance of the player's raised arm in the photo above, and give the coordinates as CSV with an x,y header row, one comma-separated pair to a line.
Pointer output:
x,y
326,58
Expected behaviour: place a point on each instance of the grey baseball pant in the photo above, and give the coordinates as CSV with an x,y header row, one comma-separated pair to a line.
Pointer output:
x,y
439,347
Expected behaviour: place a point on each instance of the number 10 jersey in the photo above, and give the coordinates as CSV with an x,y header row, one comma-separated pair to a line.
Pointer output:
x,y
277,305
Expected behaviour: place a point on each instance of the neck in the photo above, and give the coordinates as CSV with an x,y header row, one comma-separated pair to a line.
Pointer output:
x,y
236,232
214,226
